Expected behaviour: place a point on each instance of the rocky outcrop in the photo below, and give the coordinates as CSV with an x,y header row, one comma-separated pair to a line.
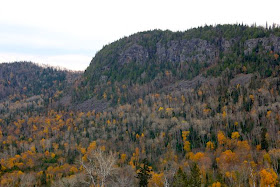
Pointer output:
x,y
226,45
271,43
192,50
176,51
186,51
241,79
189,52
134,53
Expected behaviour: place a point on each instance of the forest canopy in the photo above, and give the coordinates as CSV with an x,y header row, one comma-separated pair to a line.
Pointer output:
x,y
157,108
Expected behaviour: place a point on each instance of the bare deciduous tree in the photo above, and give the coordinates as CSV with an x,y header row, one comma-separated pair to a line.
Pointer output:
x,y
99,166
27,180
70,181
124,177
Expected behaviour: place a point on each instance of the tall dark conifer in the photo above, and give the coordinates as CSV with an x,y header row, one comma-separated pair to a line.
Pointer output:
x,y
144,173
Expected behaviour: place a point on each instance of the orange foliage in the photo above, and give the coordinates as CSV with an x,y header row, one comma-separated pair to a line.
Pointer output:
x,y
221,138
187,146
268,177
235,135
197,156
91,147
216,184
209,145
156,180
185,134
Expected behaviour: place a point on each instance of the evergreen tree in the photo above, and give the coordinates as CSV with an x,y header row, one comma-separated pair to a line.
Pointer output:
x,y
144,173
180,178
264,143
43,178
195,179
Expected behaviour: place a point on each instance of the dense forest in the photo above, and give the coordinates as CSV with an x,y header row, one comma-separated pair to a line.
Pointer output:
x,y
157,108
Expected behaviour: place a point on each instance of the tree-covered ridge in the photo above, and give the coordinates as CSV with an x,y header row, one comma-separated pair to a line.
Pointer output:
x,y
146,57
194,108
20,80
215,35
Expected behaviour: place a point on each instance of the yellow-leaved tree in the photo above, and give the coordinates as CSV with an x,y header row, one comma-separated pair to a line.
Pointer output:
x,y
268,177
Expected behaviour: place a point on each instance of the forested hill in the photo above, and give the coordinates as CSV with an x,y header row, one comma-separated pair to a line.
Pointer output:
x,y
154,59
20,80
158,108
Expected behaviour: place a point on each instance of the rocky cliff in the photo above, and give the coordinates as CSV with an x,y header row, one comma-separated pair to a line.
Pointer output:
x,y
148,57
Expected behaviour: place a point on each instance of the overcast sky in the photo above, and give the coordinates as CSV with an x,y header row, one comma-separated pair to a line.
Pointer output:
x,y
68,33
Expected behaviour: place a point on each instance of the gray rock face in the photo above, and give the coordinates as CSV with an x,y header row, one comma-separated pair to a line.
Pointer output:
x,y
186,51
193,50
268,43
227,44
241,79
134,53
175,51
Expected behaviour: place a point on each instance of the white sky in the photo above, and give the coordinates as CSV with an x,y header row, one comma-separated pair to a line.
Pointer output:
x,y
68,33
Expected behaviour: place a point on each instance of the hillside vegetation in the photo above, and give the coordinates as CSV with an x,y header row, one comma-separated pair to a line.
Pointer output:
x,y
25,79
146,59
158,108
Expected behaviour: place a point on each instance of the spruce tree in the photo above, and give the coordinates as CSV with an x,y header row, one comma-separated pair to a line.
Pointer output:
x,y
264,143
195,179
180,178
144,174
